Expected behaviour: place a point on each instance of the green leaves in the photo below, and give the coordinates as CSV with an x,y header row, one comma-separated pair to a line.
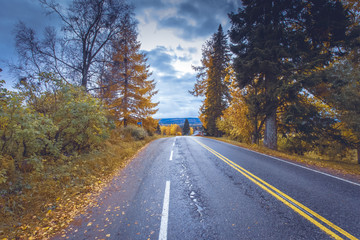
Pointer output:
x,y
81,121
73,121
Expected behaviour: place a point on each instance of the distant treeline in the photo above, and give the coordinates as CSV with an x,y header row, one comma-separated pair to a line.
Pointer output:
x,y
180,121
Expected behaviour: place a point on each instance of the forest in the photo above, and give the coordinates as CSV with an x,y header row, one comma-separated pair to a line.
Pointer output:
x,y
285,76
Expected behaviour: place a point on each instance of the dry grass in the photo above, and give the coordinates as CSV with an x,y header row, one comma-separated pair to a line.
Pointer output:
x,y
49,199
349,170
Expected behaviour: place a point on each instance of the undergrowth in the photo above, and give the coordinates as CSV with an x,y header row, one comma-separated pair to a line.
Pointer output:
x,y
44,201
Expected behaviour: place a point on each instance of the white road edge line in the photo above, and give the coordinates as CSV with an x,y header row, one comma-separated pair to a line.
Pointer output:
x,y
326,174
171,155
165,213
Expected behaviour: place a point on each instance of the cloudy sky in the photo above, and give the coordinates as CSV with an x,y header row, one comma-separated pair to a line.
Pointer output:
x,y
171,32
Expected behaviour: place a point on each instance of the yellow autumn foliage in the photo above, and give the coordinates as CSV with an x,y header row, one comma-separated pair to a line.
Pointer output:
x,y
171,130
128,90
234,121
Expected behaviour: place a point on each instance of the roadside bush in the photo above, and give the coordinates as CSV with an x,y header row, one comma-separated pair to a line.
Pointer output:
x,y
74,122
24,132
81,121
137,133
7,168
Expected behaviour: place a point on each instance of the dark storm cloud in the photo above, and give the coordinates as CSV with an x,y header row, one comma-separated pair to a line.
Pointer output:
x,y
161,60
189,9
11,12
28,11
188,31
194,19
144,4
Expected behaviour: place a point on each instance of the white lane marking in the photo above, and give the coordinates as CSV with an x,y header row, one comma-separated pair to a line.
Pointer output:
x,y
171,155
275,158
165,213
174,143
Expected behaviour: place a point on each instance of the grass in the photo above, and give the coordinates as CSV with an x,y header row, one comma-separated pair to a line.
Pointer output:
x,y
349,170
46,201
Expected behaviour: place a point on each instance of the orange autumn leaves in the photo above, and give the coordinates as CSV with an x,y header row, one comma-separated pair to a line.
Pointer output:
x,y
127,89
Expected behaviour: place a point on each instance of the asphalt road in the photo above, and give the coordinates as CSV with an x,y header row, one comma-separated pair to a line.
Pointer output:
x,y
199,188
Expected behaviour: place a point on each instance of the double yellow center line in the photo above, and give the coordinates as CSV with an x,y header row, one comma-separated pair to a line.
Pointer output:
x,y
304,211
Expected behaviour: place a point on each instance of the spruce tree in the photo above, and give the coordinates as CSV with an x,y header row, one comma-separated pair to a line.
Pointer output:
x,y
342,92
277,44
186,128
210,81
129,90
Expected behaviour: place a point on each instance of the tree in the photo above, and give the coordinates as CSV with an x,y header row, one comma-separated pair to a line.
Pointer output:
x,y
88,26
175,130
191,131
172,129
186,128
278,43
158,129
129,90
70,121
308,124
341,91
151,125
210,81
235,121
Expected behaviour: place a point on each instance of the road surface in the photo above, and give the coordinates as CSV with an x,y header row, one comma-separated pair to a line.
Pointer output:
x,y
200,188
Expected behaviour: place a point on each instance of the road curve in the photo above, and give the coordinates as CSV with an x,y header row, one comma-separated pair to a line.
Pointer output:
x,y
200,188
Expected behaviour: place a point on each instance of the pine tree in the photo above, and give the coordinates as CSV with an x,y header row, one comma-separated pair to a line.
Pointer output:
x,y
210,81
129,90
342,93
276,42
186,128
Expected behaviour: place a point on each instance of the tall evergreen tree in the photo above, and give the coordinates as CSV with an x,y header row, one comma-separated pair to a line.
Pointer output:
x,y
342,93
186,128
129,90
277,41
210,81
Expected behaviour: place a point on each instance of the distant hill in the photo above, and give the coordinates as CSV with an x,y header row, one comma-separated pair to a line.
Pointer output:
x,y
179,121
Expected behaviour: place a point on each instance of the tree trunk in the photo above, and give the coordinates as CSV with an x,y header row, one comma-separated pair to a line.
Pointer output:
x,y
358,155
270,135
125,99
84,79
255,133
